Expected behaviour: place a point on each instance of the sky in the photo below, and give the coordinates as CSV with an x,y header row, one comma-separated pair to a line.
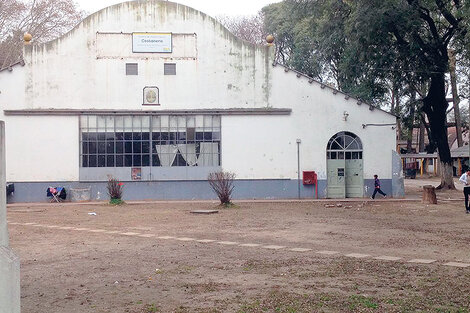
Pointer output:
x,y
211,7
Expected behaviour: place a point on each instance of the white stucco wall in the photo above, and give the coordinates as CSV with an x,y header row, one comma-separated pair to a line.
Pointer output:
x,y
265,146
42,148
85,69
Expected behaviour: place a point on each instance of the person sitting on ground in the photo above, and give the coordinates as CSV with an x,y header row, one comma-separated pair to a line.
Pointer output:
x,y
377,188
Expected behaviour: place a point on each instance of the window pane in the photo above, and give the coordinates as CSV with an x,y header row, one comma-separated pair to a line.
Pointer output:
x,y
128,160
207,122
216,121
110,147
333,155
92,147
145,136
137,160
146,160
84,147
340,155
335,145
101,147
119,147
83,121
137,136
85,160
145,147
156,123
92,136
120,136
92,161
119,123
91,121
137,123
137,147
155,160
348,156
347,141
101,160
128,147
190,132
207,136
110,161
119,160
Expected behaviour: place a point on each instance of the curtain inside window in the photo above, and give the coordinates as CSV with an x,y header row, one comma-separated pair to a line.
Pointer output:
x,y
208,154
188,152
166,154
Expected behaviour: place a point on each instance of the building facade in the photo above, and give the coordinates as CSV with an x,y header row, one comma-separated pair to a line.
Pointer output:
x,y
159,95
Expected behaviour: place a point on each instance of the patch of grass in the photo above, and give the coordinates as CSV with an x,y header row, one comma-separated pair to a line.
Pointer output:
x,y
355,301
116,202
152,308
228,205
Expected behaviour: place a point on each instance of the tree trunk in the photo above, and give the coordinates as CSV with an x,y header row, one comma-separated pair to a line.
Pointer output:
x,y
435,106
422,130
455,96
429,194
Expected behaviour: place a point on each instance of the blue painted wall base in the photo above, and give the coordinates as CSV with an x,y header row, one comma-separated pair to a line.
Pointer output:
x,y
186,190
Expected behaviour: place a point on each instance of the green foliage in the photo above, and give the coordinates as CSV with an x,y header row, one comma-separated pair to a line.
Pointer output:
x,y
116,202
373,48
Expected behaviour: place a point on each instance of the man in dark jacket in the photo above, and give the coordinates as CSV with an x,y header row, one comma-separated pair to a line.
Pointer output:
x,y
377,188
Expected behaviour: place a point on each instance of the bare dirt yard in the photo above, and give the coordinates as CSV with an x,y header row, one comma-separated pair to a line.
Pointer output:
x,y
255,257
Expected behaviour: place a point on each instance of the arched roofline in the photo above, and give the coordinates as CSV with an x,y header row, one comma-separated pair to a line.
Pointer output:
x,y
140,2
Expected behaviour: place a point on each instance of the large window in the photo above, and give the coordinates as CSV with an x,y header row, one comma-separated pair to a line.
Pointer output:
x,y
152,140
344,145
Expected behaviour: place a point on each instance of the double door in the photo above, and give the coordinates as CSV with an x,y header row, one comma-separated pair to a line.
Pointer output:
x,y
345,178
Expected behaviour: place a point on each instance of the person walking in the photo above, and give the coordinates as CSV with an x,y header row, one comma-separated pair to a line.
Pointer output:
x,y
465,179
377,188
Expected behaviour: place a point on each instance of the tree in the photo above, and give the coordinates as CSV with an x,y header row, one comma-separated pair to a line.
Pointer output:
x,y
248,28
43,19
418,34
380,44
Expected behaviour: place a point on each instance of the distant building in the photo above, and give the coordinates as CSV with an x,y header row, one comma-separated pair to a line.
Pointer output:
x,y
159,95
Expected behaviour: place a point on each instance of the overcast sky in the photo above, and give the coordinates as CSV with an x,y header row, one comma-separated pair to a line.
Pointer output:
x,y
211,7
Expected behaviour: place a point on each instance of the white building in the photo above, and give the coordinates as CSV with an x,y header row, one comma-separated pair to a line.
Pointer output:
x,y
159,95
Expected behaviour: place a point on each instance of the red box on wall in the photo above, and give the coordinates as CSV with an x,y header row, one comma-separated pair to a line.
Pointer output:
x,y
309,177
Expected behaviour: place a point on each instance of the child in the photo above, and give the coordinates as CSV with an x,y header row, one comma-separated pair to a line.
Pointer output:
x,y
377,188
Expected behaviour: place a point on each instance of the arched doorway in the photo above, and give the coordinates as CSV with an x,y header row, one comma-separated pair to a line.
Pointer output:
x,y
344,166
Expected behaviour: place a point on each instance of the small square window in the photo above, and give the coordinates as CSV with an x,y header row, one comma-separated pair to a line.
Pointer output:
x,y
132,69
169,69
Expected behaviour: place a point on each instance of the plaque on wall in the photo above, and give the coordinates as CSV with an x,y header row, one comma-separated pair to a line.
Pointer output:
x,y
151,96
152,42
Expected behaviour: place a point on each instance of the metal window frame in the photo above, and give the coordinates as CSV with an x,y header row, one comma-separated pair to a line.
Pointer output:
x,y
133,129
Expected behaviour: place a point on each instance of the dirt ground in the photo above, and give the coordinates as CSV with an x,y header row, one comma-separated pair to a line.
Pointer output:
x,y
114,261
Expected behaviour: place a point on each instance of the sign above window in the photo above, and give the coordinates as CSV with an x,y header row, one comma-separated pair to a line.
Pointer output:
x,y
151,96
152,42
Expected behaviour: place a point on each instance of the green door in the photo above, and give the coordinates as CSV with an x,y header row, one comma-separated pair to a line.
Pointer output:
x,y
336,179
344,166
354,179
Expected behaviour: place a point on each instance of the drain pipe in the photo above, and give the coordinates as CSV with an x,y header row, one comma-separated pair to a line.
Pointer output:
x,y
298,166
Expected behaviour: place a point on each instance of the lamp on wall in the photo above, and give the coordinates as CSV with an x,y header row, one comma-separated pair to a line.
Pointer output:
x,y
345,115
